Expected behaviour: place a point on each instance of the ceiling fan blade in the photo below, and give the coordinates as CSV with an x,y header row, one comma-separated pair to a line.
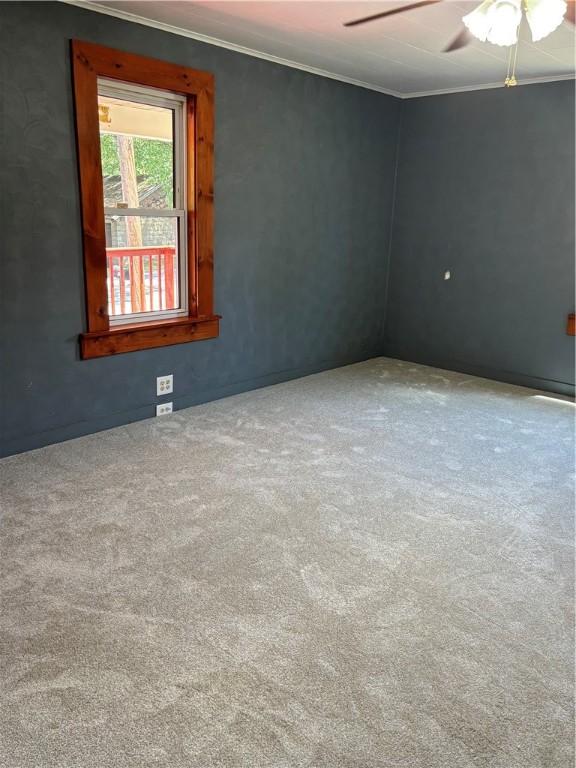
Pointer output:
x,y
461,40
394,11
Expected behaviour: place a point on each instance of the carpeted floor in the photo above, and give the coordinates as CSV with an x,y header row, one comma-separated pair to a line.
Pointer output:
x,y
368,567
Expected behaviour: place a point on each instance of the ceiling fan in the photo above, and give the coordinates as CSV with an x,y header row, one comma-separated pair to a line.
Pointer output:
x,y
496,21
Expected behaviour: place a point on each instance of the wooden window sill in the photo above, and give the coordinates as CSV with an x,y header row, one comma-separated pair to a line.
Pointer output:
x,y
163,333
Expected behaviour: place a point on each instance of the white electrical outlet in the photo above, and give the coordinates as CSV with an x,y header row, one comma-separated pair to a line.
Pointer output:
x,y
163,409
164,385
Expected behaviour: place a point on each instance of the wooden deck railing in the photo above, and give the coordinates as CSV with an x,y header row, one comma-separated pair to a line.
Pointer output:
x,y
142,279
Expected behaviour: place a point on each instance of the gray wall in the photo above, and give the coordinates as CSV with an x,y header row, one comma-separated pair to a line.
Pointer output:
x,y
486,189
304,184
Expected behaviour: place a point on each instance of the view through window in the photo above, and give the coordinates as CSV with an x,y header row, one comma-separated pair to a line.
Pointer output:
x,y
143,163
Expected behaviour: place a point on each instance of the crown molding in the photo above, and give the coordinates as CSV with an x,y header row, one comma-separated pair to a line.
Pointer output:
x,y
486,86
137,19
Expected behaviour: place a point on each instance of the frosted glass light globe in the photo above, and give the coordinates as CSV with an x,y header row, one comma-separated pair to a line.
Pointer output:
x,y
544,16
478,21
505,17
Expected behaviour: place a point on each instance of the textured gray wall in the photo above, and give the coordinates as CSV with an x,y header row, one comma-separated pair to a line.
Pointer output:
x,y
486,189
304,184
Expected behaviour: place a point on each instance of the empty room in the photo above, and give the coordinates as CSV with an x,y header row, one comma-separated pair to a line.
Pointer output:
x,y
287,418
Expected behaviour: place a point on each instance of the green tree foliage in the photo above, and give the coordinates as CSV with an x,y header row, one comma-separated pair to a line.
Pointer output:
x,y
153,158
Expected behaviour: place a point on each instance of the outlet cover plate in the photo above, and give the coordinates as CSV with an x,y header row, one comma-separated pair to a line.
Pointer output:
x,y
163,409
164,385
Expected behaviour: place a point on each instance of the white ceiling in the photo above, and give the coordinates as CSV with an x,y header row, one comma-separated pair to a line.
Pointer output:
x,y
401,54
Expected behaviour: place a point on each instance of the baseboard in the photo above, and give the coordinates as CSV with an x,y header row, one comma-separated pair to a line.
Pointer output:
x,y
59,434
485,372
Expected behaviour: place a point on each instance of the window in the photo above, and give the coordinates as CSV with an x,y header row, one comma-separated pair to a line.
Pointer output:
x,y
143,156
145,149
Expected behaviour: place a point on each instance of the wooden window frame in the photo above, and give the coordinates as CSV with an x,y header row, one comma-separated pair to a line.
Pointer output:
x,y
91,62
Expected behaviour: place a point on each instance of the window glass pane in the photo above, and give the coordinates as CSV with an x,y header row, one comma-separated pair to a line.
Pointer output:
x,y
142,260
137,149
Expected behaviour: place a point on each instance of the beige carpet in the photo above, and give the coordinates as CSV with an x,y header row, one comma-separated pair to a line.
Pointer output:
x,y
367,567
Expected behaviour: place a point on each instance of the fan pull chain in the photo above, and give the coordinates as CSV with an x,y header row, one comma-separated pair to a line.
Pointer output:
x,y
514,81
513,58
507,81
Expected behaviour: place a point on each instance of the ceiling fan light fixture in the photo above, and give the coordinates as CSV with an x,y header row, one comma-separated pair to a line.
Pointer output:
x,y
495,21
544,16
